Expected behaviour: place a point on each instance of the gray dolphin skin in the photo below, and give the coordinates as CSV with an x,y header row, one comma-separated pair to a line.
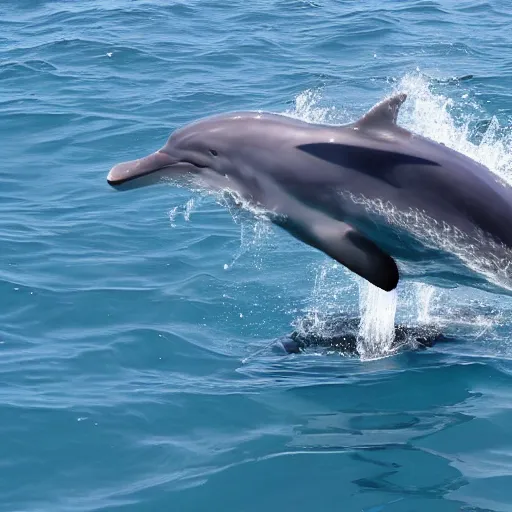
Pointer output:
x,y
372,195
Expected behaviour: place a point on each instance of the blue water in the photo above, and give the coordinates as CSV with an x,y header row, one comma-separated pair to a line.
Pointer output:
x,y
139,366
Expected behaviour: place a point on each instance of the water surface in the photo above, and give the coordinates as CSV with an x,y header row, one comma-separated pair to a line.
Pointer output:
x,y
138,360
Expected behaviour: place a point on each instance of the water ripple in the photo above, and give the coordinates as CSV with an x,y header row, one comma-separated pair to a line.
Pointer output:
x,y
139,333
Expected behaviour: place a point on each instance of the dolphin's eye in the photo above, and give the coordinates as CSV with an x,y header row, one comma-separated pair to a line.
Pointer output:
x,y
213,152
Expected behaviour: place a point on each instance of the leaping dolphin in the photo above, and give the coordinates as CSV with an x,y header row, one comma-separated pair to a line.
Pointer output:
x,y
369,194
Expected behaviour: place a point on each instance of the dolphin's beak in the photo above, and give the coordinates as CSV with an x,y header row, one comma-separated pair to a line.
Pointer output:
x,y
128,171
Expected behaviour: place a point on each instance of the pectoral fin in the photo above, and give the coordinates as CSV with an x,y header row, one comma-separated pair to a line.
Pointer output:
x,y
335,238
343,243
366,259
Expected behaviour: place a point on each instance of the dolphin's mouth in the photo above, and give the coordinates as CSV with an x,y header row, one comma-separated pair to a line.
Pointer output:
x,y
147,170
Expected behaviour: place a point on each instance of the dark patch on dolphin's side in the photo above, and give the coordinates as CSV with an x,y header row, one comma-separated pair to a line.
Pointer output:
x,y
362,159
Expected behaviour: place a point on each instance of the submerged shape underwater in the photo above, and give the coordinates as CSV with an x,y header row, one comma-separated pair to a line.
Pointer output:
x,y
143,333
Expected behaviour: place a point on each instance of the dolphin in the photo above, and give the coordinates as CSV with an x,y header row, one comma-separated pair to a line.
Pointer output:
x,y
384,202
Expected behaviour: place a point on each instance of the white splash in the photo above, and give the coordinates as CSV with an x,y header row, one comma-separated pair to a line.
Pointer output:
x,y
377,327
173,212
254,235
424,294
188,209
307,108
329,299
184,210
255,228
429,114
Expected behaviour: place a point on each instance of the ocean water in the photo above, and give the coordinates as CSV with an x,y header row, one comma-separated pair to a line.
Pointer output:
x,y
140,366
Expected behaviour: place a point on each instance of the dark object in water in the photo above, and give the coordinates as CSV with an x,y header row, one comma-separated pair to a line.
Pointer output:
x,y
341,334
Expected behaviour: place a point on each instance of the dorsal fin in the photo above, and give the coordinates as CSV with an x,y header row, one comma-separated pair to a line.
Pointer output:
x,y
385,112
